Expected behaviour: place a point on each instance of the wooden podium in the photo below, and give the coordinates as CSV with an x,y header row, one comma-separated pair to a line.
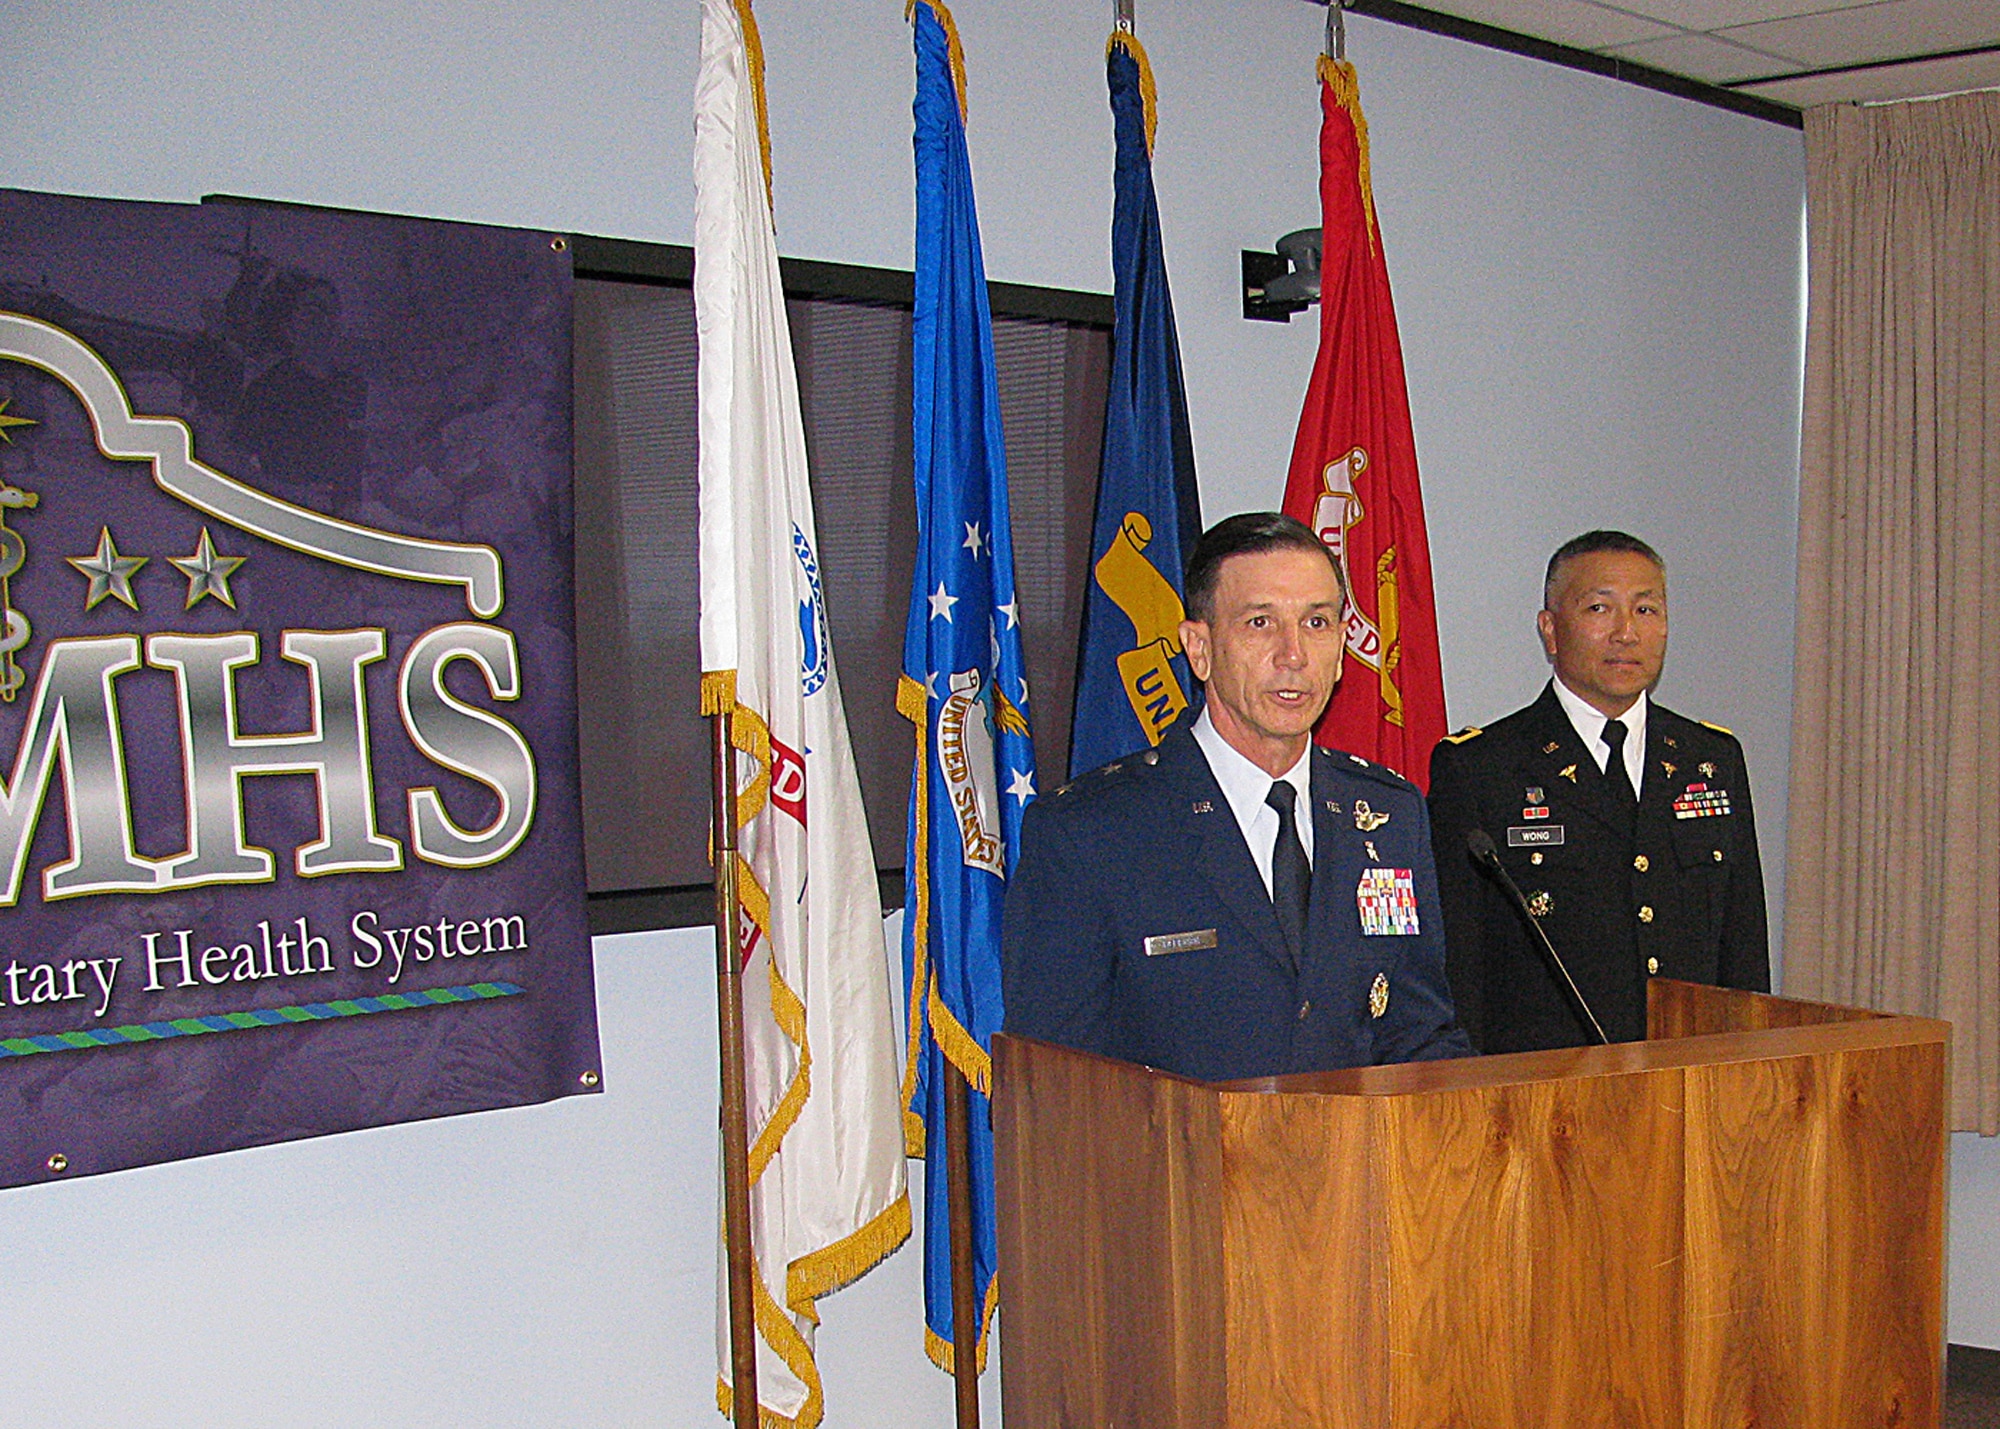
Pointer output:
x,y
1738,1222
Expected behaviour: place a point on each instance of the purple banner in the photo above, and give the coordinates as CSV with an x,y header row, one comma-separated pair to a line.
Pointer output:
x,y
289,831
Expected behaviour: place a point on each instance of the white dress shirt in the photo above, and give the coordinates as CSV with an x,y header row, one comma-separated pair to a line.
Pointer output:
x,y
1589,724
1246,787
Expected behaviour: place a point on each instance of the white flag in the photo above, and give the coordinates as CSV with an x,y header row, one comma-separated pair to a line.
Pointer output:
x,y
827,1195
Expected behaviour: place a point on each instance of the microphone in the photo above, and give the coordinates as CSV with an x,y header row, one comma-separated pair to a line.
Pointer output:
x,y
1480,846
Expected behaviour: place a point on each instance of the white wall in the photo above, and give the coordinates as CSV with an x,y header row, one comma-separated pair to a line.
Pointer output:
x,y
1598,290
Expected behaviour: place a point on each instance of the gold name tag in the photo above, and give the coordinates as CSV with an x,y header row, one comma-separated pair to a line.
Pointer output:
x,y
1180,942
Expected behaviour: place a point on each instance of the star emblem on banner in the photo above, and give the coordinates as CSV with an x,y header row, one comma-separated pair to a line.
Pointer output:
x,y
1013,613
975,540
7,421
207,573
110,573
942,602
1023,785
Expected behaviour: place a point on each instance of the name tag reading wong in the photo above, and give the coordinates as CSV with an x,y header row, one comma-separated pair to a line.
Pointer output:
x,y
1162,943
1534,836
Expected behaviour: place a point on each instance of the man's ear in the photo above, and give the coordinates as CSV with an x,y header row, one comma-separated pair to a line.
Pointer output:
x,y
1545,624
1194,640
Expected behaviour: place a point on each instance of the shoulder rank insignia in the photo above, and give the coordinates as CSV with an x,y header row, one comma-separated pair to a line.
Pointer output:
x,y
1366,819
1568,771
1378,995
1716,727
1471,731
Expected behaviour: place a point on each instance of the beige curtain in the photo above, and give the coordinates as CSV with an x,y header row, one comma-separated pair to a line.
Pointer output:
x,y
1893,899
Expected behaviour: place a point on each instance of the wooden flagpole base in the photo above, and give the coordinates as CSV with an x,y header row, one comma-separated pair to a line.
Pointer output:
x,y
734,1111
965,1306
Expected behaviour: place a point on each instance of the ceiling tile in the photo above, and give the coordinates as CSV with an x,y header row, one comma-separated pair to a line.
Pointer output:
x,y
1910,81
1715,14
1579,24
1700,57
1893,30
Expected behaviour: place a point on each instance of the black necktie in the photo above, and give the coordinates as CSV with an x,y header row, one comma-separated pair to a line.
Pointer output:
x,y
1291,875
1614,767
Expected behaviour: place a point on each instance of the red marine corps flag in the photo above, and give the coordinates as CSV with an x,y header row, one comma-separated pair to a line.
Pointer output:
x,y
1354,466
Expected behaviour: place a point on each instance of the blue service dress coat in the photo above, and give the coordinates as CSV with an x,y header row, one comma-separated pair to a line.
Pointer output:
x,y
1137,925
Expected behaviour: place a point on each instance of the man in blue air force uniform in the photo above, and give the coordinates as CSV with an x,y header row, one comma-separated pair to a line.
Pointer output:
x,y
1237,903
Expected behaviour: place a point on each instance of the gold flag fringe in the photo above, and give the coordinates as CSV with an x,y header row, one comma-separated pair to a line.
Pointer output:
x,y
959,1046
956,50
913,704
944,1354
829,1268
845,1261
1339,76
1149,95
753,49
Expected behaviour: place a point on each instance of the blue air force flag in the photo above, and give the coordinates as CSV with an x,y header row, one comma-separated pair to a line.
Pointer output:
x,y
1131,677
964,681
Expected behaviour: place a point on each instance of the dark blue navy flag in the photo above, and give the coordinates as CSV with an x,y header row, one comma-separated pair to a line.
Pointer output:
x,y
964,683
1132,679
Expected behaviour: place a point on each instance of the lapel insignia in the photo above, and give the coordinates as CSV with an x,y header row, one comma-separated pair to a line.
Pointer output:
x,y
1378,995
1203,806
1707,769
1534,793
1551,747
1541,905
1333,806
1668,741
1669,767
1568,771
1366,819
1373,857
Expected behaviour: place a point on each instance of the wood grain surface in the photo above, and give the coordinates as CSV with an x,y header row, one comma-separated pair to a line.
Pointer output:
x,y
1694,1009
1109,1182
1815,1240
1738,1224
1305,1260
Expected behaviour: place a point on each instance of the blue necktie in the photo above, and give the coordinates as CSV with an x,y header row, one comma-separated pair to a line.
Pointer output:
x,y
1291,875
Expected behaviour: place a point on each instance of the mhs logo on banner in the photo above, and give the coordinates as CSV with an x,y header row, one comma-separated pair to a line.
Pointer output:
x,y
72,712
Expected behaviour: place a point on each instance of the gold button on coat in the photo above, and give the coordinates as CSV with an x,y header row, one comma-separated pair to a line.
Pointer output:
x,y
1645,912
1535,858
1652,965
1718,855
1642,863
1305,1010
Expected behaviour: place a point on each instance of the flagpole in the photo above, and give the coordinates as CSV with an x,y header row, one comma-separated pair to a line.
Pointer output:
x,y
735,1113
965,1316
